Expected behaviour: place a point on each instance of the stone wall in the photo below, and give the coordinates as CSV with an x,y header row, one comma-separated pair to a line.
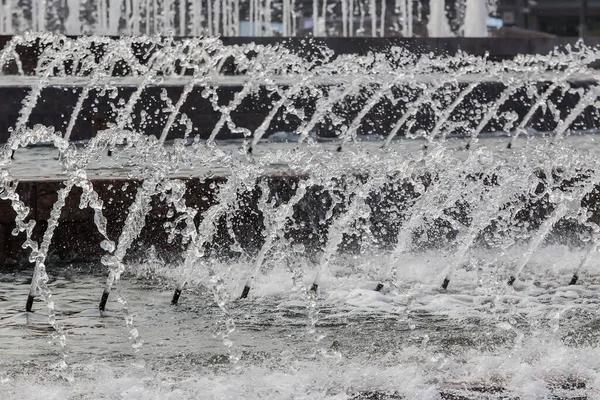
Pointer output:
x,y
76,239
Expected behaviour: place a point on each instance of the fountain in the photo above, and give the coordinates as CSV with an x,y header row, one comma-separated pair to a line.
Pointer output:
x,y
388,225
475,19
438,22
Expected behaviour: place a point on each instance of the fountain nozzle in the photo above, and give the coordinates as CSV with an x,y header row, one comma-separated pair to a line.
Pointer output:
x,y
103,300
245,291
574,279
175,298
29,303
511,280
445,283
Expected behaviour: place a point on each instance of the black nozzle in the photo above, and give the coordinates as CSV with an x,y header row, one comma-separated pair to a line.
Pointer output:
x,y
574,279
468,146
509,145
445,283
29,303
245,292
103,300
109,153
250,149
314,288
379,287
175,298
339,149
511,280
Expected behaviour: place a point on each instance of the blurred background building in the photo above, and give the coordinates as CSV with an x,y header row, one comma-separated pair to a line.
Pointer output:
x,y
406,18
557,17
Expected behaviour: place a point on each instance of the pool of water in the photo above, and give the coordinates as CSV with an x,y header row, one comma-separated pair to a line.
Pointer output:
x,y
481,339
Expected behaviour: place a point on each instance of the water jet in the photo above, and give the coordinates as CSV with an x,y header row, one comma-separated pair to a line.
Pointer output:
x,y
153,189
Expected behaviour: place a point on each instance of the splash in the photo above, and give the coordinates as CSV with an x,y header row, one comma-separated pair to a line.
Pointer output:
x,y
415,188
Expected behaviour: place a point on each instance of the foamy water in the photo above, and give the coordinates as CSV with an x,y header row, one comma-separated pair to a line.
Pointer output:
x,y
481,339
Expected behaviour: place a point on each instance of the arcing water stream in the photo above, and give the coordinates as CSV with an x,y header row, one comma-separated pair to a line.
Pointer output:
x,y
338,227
